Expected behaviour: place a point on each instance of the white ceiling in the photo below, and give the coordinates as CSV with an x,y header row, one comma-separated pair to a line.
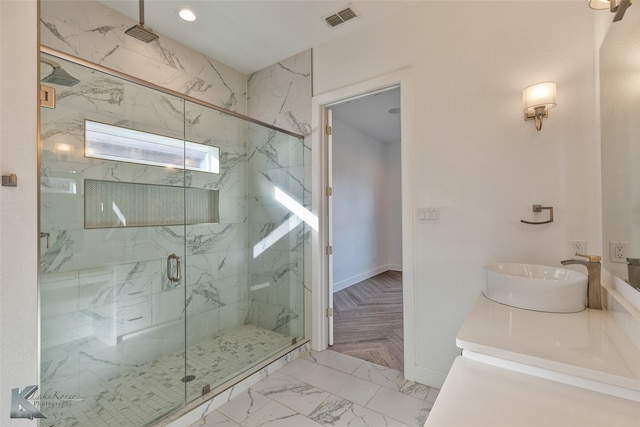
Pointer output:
x,y
249,35
370,115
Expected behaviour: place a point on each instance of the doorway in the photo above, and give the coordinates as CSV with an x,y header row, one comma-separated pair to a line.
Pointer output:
x,y
321,300
365,217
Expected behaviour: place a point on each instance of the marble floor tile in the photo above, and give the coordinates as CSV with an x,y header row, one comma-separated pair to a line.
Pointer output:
x,y
243,406
406,409
339,412
293,393
341,384
298,367
391,379
334,360
432,395
306,392
276,414
216,419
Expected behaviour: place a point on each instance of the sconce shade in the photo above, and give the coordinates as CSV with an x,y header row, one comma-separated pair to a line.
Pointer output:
x,y
537,100
619,7
539,95
599,4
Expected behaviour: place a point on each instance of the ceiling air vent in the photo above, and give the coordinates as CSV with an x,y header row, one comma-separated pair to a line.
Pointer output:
x,y
341,17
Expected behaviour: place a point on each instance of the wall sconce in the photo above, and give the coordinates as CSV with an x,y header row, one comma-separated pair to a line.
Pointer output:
x,y
619,7
537,100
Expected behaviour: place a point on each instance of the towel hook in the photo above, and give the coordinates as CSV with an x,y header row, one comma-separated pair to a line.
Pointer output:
x,y
539,208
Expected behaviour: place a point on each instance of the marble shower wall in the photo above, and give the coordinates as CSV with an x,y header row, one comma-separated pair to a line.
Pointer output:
x,y
83,296
92,31
280,95
95,280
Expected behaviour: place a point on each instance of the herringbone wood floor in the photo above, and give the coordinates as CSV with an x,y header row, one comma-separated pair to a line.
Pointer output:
x,y
367,321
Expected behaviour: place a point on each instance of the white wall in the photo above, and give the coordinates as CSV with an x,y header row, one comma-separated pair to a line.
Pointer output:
x,y
362,217
392,209
18,206
474,156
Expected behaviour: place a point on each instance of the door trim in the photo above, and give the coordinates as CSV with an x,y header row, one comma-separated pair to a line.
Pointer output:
x,y
319,267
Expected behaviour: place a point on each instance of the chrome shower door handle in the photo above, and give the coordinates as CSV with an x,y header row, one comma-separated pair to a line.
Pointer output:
x,y
178,275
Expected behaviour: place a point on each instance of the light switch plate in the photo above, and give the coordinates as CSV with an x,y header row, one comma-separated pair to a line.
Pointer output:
x,y
428,215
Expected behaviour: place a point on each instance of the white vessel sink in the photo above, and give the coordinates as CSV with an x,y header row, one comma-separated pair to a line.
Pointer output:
x,y
536,287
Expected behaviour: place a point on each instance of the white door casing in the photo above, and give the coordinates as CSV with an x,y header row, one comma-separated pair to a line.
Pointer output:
x,y
321,262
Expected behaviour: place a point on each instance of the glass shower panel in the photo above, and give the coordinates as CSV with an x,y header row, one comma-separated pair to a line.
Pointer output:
x,y
172,238
244,274
112,252
278,221
216,263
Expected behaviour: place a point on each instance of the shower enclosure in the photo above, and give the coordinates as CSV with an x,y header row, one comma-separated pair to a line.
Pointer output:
x,y
171,247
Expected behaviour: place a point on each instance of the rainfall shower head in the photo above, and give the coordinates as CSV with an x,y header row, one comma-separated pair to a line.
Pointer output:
x,y
139,31
58,76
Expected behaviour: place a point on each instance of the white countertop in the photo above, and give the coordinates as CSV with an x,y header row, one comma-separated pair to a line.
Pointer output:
x,y
518,366
480,395
588,344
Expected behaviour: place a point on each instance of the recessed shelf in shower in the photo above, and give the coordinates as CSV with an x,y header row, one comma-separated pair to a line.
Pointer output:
x,y
113,204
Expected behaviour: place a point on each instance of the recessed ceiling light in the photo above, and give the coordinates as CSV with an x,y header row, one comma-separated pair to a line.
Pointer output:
x,y
394,111
186,14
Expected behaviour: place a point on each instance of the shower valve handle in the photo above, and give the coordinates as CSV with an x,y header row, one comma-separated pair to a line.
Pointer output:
x,y
178,275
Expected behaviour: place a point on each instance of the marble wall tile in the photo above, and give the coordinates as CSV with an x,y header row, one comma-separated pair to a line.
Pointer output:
x,y
281,94
134,260
204,325
96,33
232,209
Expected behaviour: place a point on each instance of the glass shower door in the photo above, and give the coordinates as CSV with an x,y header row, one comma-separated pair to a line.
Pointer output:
x,y
112,268
244,284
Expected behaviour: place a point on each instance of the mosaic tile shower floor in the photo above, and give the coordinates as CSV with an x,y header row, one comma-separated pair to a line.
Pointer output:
x,y
143,392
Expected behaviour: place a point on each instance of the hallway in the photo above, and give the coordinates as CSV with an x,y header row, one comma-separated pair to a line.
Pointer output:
x,y
368,320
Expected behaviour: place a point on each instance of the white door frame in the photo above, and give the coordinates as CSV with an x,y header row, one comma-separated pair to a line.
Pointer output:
x,y
319,267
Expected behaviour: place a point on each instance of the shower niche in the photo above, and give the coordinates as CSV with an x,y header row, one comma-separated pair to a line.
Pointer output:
x,y
173,262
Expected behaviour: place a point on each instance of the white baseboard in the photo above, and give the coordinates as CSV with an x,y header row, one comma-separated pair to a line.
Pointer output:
x,y
344,284
395,267
426,376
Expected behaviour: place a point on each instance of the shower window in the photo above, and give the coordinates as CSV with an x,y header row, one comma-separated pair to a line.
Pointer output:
x,y
107,142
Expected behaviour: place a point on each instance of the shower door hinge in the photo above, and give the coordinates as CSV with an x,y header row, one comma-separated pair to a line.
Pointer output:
x,y
47,96
328,130
329,250
329,191
330,312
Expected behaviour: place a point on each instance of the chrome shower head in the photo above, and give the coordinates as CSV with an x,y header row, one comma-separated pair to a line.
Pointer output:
x,y
139,31
58,76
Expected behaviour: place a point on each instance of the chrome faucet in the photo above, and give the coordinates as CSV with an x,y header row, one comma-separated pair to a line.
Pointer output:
x,y
594,288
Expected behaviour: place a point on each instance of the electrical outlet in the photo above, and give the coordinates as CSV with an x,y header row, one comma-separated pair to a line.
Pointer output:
x,y
618,251
577,247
